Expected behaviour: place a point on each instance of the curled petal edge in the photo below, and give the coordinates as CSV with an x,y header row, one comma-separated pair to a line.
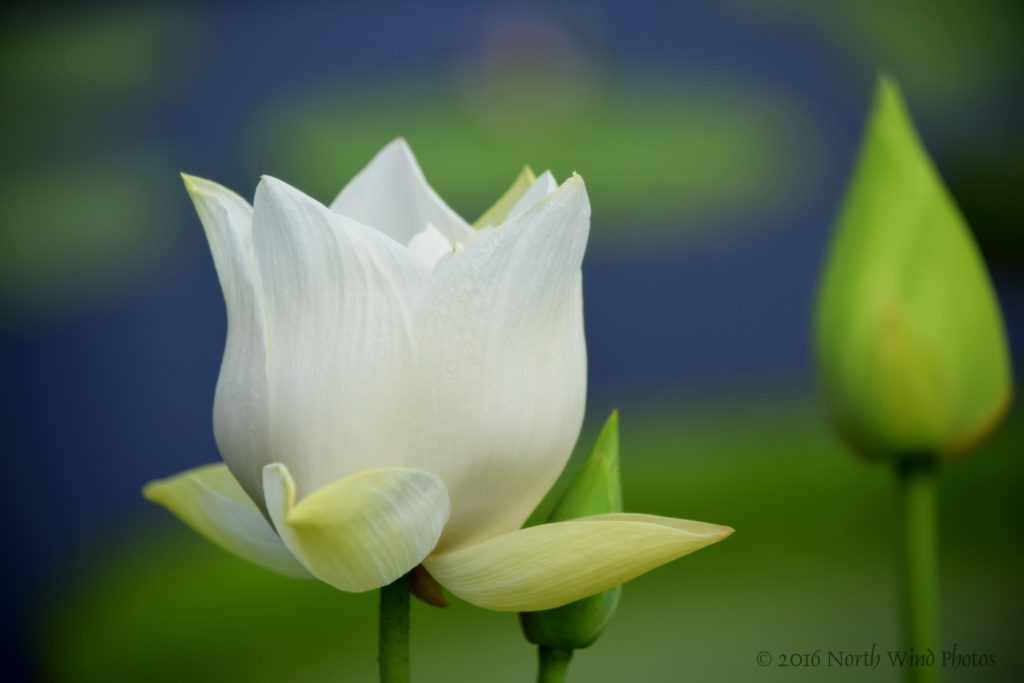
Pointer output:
x,y
361,532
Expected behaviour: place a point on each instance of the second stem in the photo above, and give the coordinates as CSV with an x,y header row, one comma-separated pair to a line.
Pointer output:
x,y
918,496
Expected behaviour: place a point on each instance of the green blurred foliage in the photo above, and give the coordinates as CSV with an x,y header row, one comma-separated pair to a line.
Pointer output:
x,y
79,231
808,568
83,200
961,65
664,156
947,52
81,58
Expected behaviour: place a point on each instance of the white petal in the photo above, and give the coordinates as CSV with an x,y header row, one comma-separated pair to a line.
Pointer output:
x,y
211,501
541,187
429,246
342,365
240,409
551,565
392,195
361,532
503,364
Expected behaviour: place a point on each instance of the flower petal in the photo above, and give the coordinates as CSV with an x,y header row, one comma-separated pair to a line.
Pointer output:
x,y
341,357
392,195
542,187
497,213
550,565
240,410
429,246
503,359
361,532
211,501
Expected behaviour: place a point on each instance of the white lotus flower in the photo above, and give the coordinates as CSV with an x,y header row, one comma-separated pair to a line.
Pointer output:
x,y
400,388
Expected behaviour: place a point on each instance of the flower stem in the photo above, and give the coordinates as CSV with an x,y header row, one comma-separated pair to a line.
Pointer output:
x,y
393,644
918,494
554,664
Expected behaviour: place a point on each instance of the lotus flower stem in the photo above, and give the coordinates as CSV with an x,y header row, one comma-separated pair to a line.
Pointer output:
x,y
917,484
393,646
554,664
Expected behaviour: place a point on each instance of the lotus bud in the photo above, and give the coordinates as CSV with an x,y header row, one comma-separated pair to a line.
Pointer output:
x,y
911,348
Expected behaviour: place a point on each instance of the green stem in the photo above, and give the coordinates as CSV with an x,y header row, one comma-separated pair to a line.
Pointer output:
x,y
918,495
393,645
554,664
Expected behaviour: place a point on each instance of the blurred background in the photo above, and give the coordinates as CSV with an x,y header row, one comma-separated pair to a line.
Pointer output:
x,y
715,138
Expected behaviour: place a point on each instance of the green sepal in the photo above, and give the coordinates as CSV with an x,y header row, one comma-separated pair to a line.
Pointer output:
x,y
596,489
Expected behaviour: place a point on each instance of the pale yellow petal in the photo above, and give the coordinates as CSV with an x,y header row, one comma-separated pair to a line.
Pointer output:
x,y
361,532
497,213
550,565
211,501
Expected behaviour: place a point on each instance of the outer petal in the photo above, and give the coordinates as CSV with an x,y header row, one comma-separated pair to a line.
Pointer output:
x,y
392,195
551,565
503,365
362,532
240,410
342,359
210,501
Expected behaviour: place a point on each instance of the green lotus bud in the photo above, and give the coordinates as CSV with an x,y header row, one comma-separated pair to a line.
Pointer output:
x,y
594,490
910,342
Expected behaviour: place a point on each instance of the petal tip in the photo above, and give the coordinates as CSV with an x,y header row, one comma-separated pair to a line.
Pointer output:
x,y
274,474
152,491
198,187
275,468
575,185
274,191
574,191
712,532
191,182
279,488
400,146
